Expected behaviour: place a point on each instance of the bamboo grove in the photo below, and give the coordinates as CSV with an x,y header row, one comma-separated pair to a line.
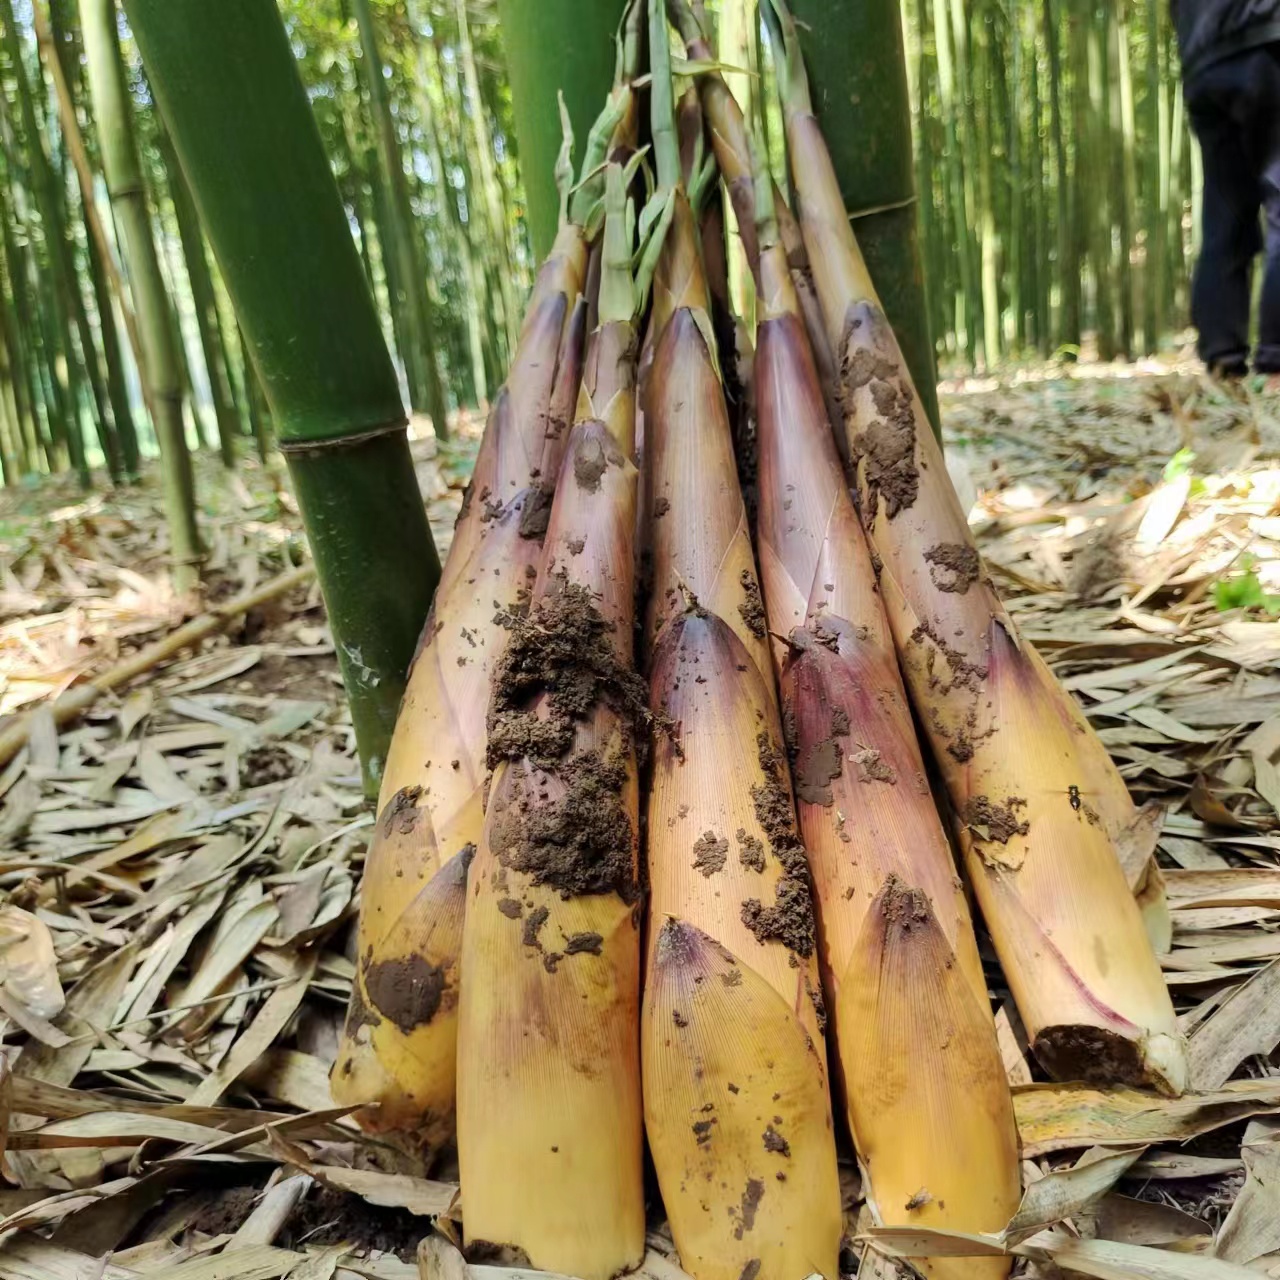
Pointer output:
x,y
681,753
106,360
118,341
1055,174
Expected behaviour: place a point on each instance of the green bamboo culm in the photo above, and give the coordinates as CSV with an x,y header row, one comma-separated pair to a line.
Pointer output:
x,y
120,166
226,85
206,307
419,345
61,289
555,46
858,78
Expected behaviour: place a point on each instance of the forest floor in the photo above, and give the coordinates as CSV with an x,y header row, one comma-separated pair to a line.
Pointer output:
x,y
190,850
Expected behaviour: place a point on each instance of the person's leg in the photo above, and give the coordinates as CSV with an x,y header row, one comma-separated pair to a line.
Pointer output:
x,y
1266,358
1229,224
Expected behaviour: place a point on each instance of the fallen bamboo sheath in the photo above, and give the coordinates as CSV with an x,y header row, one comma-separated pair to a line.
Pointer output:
x,y
737,1108
398,1049
1040,809
78,699
548,1054
922,1080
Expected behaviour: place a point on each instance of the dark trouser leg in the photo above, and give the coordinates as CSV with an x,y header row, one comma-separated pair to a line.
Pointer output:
x,y
1229,223
1266,358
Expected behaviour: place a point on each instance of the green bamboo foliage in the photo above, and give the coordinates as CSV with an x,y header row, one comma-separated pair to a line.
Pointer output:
x,y
1046,205
426,388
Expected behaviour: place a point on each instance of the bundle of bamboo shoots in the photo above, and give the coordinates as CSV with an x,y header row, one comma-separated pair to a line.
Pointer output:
x,y
397,1057
922,1079
549,1070
1041,811
735,1090
931,1116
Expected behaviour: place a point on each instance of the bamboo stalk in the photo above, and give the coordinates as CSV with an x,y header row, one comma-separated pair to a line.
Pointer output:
x,y
203,301
160,364
61,286
490,190
103,265
226,85
419,351
1041,808
554,46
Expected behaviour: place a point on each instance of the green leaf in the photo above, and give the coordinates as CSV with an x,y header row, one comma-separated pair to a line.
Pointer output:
x,y
1244,591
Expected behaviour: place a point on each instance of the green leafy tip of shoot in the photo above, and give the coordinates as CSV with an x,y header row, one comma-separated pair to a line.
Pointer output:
x,y
788,62
586,199
702,175
1244,591
1179,464
625,277
655,221
564,159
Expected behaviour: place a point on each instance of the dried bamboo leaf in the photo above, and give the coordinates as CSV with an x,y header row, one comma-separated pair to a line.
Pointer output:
x,y
392,1190
1252,1228
1060,1117
270,1020
1247,1023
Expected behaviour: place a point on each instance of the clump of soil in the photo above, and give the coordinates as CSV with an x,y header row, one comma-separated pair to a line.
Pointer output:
x,y
560,651
874,767
532,926
752,608
775,1142
817,767
790,919
327,1216
225,1212
401,815
589,464
992,821
710,854
745,1215
535,514
750,850
581,842
265,764
953,566
820,763
887,445
819,1003
903,906
408,990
